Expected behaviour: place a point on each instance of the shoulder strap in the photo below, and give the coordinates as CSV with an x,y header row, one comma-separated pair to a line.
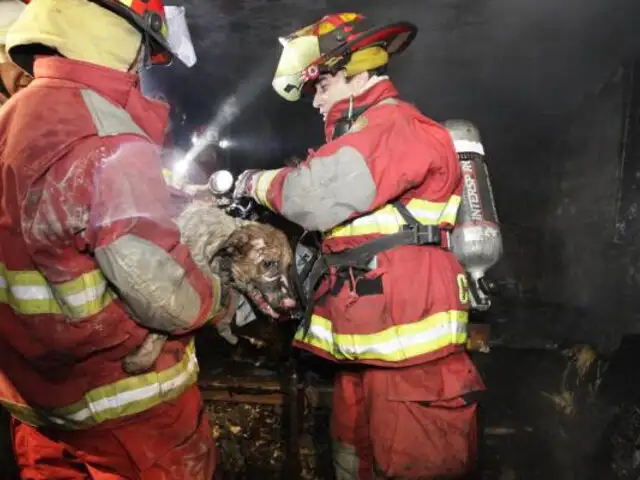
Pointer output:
x,y
406,214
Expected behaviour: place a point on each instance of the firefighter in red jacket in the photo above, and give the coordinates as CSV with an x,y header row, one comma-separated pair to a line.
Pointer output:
x,y
90,259
391,305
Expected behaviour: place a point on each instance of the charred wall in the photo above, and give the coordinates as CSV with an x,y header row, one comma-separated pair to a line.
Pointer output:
x,y
562,228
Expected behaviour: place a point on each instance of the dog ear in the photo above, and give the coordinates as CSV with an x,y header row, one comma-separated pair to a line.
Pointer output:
x,y
238,243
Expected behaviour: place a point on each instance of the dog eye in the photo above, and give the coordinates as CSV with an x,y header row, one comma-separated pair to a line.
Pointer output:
x,y
268,263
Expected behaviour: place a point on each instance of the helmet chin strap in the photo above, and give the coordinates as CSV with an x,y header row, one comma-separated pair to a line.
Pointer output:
x,y
145,58
344,123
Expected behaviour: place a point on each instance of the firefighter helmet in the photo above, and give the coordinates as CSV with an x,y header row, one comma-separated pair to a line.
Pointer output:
x,y
148,16
339,41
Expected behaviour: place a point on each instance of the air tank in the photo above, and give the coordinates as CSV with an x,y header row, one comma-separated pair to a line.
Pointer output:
x,y
476,239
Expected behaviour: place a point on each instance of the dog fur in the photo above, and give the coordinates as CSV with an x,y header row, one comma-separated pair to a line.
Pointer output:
x,y
253,258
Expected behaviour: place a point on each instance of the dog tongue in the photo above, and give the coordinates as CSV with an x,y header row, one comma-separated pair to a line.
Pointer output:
x,y
288,303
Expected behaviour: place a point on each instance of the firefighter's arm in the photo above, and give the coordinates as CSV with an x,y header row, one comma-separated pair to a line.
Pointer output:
x,y
108,198
358,173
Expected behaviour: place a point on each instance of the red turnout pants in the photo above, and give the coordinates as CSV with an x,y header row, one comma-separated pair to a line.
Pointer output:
x,y
408,423
170,442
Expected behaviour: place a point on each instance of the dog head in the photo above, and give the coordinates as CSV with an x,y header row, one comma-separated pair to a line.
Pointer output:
x,y
259,260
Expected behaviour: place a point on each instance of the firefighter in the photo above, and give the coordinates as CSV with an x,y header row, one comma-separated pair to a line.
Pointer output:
x,y
90,260
391,305
12,77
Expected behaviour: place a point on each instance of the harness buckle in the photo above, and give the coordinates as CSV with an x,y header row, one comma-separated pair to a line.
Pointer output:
x,y
424,234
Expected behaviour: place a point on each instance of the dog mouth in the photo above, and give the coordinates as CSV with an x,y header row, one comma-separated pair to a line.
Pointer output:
x,y
259,300
273,306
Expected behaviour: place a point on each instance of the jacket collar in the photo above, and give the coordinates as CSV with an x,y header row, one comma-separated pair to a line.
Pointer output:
x,y
121,88
340,110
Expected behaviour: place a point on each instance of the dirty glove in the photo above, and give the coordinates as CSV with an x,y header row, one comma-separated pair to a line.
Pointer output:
x,y
246,184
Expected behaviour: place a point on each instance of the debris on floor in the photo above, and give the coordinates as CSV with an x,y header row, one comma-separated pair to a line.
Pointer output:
x,y
527,433
250,442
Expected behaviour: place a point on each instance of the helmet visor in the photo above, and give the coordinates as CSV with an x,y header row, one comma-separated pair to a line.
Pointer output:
x,y
296,66
178,36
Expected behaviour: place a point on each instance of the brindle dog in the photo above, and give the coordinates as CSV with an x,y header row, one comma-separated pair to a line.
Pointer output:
x,y
253,258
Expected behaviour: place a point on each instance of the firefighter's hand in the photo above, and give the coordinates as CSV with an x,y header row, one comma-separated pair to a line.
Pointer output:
x,y
245,184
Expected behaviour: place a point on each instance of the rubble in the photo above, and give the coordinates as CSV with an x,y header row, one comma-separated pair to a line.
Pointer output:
x,y
250,440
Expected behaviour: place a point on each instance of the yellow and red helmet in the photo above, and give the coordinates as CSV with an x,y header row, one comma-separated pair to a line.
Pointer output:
x,y
336,42
150,18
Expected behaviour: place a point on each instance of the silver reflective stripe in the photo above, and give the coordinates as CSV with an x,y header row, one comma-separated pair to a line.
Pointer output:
x,y
389,216
395,344
27,292
463,146
389,348
86,296
109,119
155,390
127,396
387,220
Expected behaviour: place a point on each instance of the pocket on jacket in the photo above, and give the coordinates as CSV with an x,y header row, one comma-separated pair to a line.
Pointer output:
x,y
361,306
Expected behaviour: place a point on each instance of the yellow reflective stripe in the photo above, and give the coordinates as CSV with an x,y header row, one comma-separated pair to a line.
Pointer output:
x,y
262,186
450,211
387,220
27,292
83,296
394,344
125,397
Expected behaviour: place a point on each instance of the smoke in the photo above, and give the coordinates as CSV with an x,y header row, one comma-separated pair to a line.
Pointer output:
x,y
237,47
233,105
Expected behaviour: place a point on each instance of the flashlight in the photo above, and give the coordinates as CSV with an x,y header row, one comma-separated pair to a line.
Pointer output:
x,y
221,182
